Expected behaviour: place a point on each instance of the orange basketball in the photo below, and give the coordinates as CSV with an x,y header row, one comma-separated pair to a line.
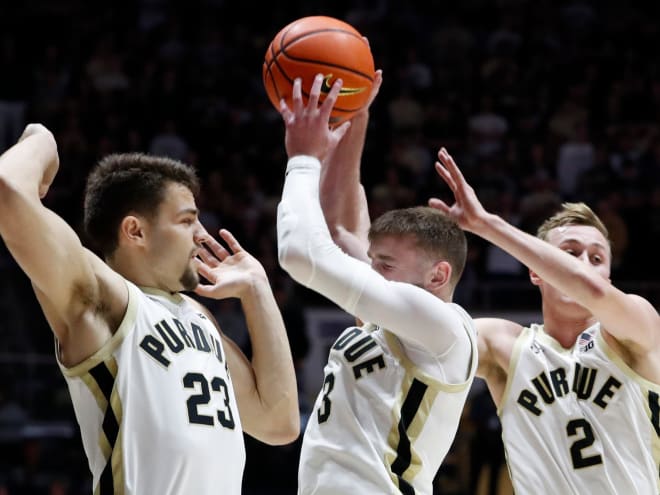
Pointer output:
x,y
320,44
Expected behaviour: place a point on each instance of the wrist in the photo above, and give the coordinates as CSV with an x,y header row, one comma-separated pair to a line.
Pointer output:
x,y
360,119
256,283
484,223
304,162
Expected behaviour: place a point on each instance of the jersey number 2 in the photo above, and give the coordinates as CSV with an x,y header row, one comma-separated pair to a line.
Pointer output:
x,y
225,416
579,461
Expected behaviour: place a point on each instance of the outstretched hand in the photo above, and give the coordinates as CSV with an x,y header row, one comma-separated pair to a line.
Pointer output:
x,y
308,129
229,271
467,211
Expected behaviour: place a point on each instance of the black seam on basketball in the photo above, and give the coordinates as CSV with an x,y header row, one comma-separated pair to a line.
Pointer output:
x,y
284,45
273,84
326,64
284,74
275,53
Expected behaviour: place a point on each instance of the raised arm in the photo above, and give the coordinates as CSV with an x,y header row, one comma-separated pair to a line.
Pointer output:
x,y
82,298
307,252
265,387
628,318
342,195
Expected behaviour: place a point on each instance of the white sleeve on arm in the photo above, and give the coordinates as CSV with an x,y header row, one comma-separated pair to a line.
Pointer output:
x,y
306,251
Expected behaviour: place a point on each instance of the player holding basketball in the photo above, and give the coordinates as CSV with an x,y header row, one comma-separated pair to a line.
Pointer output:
x,y
578,396
394,387
161,396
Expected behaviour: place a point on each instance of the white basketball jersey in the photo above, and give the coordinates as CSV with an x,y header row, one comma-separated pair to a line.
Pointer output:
x,y
579,420
381,424
156,406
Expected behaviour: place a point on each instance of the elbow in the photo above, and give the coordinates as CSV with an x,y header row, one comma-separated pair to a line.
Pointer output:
x,y
15,190
9,195
595,286
283,429
6,188
287,432
599,291
335,230
293,261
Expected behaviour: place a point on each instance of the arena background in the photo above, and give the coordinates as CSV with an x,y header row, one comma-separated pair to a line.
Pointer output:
x,y
539,101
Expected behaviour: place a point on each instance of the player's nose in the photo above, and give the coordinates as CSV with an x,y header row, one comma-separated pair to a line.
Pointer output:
x,y
200,233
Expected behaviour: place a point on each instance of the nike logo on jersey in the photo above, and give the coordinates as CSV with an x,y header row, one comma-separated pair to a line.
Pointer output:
x,y
326,87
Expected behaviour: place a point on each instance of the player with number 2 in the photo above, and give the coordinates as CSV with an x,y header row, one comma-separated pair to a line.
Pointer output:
x,y
578,396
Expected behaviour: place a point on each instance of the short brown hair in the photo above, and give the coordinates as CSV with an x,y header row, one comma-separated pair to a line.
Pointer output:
x,y
434,232
125,183
572,214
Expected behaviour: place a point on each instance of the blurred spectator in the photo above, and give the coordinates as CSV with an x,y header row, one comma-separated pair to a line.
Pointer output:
x,y
500,265
394,191
405,111
105,68
575,158
487,128
608,210
540,103
168,142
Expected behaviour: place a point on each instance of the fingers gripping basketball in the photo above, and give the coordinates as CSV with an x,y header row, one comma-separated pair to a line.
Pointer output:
x,y
320,44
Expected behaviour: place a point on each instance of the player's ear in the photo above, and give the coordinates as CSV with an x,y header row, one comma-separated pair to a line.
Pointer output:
x,y
535,279
440,275
131,230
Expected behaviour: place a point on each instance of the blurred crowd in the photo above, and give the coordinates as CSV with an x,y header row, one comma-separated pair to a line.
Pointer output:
x,y
540,102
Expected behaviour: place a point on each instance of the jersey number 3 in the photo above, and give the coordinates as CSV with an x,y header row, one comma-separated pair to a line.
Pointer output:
x,y
324,408
217,384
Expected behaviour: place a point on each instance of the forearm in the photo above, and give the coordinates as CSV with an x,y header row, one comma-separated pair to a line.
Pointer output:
x,y
272,364
308,254
22,169
341,193
46,248
553,265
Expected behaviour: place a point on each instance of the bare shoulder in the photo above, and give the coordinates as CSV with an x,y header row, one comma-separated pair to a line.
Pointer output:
x,y
496,339
113,294
498,328
105,299
639,347
648,310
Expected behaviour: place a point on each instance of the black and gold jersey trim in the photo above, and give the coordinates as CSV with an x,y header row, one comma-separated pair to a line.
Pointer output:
x,y
101,380
404,454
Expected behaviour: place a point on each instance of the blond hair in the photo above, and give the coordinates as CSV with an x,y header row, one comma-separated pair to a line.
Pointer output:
x,y
572,214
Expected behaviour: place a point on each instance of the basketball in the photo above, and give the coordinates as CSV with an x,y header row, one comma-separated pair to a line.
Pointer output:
x,y
320,44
